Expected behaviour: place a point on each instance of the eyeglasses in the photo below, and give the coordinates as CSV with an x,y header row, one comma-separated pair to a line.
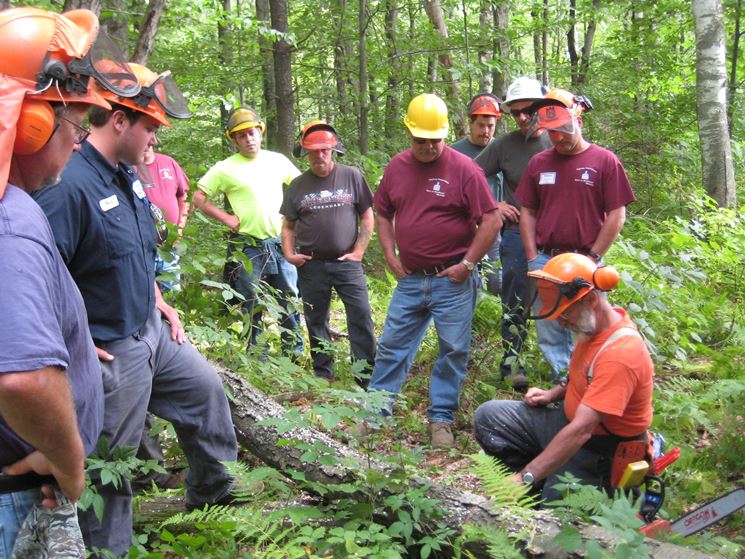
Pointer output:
x,y
527,112
81,133
422,141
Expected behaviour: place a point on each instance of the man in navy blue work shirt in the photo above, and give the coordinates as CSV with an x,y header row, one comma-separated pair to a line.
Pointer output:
x,y
104,230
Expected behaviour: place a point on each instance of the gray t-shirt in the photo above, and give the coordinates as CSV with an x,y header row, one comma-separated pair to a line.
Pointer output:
x,y
472,150
44,323
325,210
509,154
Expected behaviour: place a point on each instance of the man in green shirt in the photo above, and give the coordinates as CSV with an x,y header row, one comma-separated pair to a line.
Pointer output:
x,y
252,182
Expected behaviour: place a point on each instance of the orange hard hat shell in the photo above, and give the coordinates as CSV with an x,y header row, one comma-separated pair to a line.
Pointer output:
x,y
484,104
319,139
146,77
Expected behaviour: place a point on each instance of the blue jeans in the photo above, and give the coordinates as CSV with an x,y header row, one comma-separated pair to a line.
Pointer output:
x,y
514,294
14,507
555,342
416,301
268,266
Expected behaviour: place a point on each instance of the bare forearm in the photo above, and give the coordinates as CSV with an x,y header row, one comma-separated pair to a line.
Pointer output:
x,y
527,232
288,238
386,237
38,406
367,225
202,203
490,224
609,231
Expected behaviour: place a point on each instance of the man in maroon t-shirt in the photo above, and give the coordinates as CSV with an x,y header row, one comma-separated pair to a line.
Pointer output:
x,y
574,197
435,206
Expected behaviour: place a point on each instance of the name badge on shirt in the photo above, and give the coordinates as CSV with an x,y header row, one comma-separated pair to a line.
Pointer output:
x,y
137,188
109,203
547,178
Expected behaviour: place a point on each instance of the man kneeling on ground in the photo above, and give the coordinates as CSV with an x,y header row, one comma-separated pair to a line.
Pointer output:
x,y
607,400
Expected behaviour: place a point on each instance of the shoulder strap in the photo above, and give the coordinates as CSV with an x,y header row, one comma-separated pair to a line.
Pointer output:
x,y
620,333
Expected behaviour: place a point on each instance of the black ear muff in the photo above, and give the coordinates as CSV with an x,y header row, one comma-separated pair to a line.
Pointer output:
x,y
35,126
605,278
571,289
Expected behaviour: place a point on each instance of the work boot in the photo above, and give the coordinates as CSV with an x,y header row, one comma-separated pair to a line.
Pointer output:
x,y
442,435
519,382
238,494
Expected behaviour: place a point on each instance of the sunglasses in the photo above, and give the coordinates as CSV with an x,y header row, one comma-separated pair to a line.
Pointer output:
x,y
422,141
527,112
81,133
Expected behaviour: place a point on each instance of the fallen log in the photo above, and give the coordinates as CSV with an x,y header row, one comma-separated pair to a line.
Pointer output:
x,y
250,406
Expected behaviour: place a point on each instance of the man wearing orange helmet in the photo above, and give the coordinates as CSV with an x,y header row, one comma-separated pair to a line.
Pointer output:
x,y
103,227
607,400
574,199
436,220
51,396
483,114
321,236
252,180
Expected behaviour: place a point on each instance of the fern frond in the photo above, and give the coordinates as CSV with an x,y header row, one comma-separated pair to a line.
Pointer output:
x,y
495,479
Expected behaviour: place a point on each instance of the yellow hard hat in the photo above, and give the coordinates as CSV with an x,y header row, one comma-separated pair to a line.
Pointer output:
x,y
241,119
427,117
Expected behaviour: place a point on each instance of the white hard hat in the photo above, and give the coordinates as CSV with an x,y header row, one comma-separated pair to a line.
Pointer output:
x,y
523,89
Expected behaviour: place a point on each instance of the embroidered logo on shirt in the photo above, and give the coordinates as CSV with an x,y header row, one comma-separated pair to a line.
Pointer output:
x,y
587,176
547,178
166,174
109,203
437,187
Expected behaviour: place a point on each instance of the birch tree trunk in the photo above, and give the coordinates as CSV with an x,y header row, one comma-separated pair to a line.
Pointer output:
x,y
711,102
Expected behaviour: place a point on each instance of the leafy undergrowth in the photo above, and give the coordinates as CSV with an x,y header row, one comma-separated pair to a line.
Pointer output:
x,y
682,281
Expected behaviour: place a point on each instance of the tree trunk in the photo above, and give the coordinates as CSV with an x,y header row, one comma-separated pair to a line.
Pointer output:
x,y
117,26
437,18
392,97
249,407
733,70
283,79
572,43
92,5
711,102
148,30
224,32
266,56
362,92
486,80
501,46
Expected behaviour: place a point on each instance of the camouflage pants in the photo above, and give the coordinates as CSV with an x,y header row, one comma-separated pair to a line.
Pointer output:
x,y
50,533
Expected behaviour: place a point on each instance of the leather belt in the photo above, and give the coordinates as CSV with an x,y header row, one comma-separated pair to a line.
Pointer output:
x,y
11,484
434,270
323,256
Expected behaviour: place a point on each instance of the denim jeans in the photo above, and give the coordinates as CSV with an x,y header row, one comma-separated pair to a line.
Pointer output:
x,y
555,342
514,294
317,278
270,267
416,301
14,507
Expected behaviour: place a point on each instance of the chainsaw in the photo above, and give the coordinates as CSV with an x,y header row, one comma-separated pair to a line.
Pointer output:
x,y
698,519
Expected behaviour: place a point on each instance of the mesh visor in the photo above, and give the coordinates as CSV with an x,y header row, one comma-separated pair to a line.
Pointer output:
x,y
548,299
554,118
321,139
167,94
106,63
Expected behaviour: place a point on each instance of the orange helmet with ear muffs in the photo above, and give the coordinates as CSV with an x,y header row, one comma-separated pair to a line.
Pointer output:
x,y
48,57
567,278
318,134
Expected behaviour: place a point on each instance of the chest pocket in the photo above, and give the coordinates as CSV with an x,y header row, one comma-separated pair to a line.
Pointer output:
x,y
120,230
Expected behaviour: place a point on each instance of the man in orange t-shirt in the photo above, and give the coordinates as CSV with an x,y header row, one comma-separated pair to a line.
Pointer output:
x,y
608,396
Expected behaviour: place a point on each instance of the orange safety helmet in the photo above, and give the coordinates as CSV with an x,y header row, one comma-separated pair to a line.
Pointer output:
x,y
159,96
567,278
48,57
318,134
558,111
485,104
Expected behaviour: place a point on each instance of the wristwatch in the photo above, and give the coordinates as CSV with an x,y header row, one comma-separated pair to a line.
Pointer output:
x,y
468,264
594,255
528,478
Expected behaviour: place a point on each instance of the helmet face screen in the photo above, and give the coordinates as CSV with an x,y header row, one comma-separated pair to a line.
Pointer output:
x,y
554,118
105,62
166,94
548,299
